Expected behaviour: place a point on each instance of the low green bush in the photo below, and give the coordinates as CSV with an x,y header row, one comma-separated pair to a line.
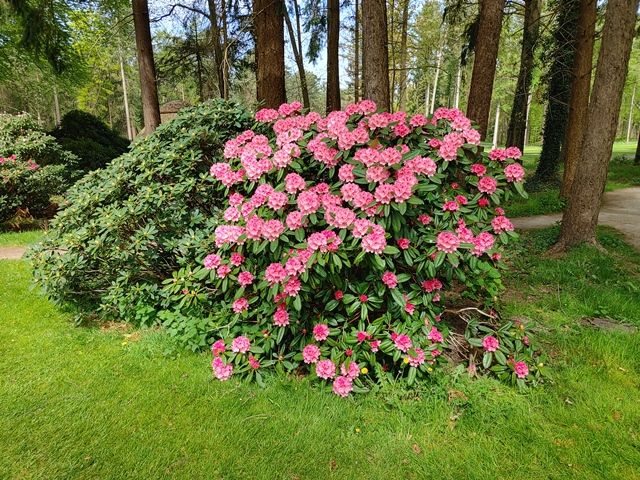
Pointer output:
x,y
33,168
90,139
127,241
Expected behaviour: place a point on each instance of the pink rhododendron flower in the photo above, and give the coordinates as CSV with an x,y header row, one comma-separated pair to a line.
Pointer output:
x,y
275,273
514,172
352,371
236,259
404,243
487,185
245,278
310,354
240,305
218,347
483,242
375,345
277,200
450,206
521,369
211,262
490,343
478,169
513,152
424,219
447,242
281,317
292,287
342,386
223,271
431,285
294,220
483,202
390,279
320,332
501,224
325,369
346,173
254,363
363,298
416,359
435,336
240,344
221,370
374,243
294,182
272,229
402,342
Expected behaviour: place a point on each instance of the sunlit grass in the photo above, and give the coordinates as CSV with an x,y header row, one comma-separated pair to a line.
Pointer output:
x,y
82,402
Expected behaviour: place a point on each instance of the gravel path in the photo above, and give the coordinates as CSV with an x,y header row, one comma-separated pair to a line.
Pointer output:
x,y
620,210
12,253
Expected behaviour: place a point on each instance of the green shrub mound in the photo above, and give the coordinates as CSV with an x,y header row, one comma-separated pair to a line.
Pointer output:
x,y
90,139
133,229
33,168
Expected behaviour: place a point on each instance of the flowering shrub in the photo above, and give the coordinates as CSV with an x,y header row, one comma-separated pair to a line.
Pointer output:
x,y
341,237
26,186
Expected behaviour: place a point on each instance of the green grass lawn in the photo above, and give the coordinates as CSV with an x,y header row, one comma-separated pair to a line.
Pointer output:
x,y
111,403
622,174
19,239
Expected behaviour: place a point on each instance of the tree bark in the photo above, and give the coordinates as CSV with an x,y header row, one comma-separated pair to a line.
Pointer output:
x,y
636,161
484,64
356,53
580,88
268,18
559,81
297,55
581,216
517,121
146,66
217,47
375,52
333,37
402,75
125,98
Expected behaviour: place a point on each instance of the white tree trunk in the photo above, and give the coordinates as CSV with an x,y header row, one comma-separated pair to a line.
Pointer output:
x,y
458,85
130,134
496,127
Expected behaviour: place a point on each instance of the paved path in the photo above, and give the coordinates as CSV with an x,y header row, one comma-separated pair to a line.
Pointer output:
x,y
620,210
12,253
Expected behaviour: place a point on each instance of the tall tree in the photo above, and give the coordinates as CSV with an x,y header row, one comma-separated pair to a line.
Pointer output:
x,y
268,20
146,66
484,64
375,58
295,38
518,119
636,161
559,90
580,88
356,52
402,74
217,48
333,37
581,215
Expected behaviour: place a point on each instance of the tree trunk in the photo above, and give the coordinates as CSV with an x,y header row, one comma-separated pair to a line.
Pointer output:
x,y
146,66
375,53
517,121
225,51
402,75
297,55
580,88
559,80
126,100
581,216
636,161
217,48
356,53
56,105
484,64
333,73
630,120
268,19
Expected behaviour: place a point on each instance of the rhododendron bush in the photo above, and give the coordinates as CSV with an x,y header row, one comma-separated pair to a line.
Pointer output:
x,y
342,236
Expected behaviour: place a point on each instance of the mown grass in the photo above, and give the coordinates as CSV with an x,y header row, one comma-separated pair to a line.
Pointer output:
x,y
20,239
115,403
545,199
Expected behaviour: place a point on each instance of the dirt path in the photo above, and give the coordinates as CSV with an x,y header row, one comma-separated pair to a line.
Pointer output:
x,y
12,253
620,210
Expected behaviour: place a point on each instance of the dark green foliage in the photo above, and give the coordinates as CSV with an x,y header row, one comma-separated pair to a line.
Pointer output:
x,y
561,57
36,169
127,240
90,139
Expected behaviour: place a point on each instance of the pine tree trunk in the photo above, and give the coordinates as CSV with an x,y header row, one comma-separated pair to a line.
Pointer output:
x,y
375,52
559,80
484,64
517,121
146,66
402,75
580,88
217,47
356,53
636,161
268,19
297,55
581,216
333,73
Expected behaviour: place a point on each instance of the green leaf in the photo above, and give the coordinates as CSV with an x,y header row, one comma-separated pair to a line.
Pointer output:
x,y
487,359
